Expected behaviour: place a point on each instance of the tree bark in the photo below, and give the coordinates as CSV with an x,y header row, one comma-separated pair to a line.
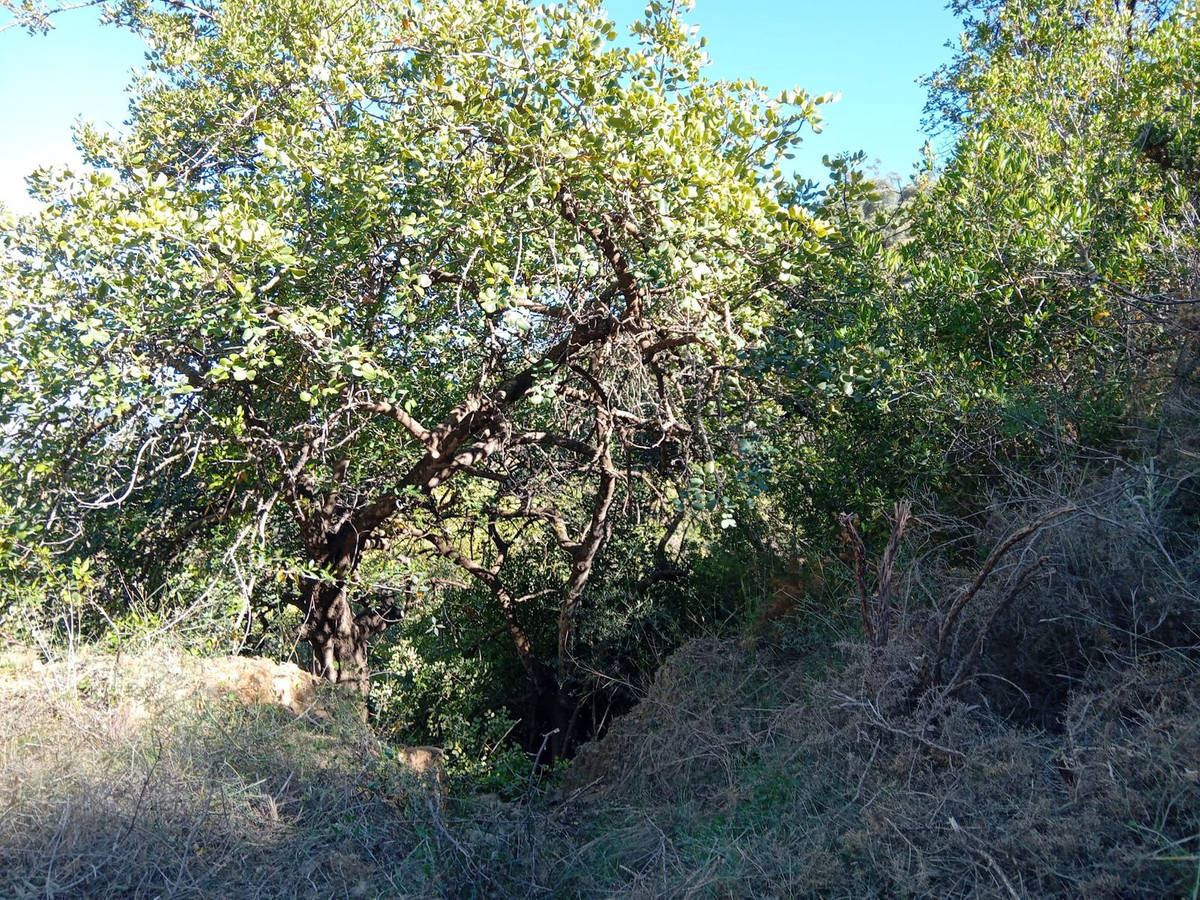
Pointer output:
x,y
339,638
340,644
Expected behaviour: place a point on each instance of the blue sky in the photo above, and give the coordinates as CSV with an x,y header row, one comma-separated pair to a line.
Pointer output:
x,y
872,51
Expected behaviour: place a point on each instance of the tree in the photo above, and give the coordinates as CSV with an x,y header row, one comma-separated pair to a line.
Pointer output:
x,y
1047,236
448,277
1022,304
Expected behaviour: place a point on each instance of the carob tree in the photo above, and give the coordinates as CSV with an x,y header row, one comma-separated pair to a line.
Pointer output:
x,y
401,277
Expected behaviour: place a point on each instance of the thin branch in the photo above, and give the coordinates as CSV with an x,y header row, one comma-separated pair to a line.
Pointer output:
x,y
968,593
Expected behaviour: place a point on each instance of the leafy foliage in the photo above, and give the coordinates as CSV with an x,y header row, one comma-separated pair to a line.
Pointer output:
x,y
1022,300
450,280
474,336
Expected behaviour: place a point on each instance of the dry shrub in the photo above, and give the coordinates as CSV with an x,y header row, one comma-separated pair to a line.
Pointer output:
x,y
768,775
1088,595
1057,756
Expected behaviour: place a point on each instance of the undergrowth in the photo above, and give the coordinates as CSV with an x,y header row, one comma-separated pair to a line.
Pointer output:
x,y
1028,725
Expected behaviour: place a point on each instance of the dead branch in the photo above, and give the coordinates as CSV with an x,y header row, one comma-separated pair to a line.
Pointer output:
x,y
876,623
968,593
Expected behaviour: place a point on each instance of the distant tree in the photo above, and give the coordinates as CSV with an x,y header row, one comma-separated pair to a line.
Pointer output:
x,y
1048,238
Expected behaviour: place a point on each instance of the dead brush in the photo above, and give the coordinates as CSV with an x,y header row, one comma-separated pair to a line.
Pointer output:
x,y
749,773
1081,577
877,611
1018,718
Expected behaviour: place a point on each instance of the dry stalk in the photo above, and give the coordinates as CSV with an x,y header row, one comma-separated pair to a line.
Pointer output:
x,y
887,570
977,846
876,719
876,623
971,590
859,550
1028,575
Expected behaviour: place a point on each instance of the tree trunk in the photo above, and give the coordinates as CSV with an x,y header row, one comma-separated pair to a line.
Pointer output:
x,y
340,640
553,706
340,643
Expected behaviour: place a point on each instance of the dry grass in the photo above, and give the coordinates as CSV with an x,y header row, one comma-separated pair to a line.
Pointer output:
x,y
743,773
753,775
131,779
1058,757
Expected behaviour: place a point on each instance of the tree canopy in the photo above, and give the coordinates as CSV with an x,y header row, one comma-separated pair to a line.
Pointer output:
x,y
447,278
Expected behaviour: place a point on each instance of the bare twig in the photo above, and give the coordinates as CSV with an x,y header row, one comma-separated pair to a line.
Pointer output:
x,y
877,623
